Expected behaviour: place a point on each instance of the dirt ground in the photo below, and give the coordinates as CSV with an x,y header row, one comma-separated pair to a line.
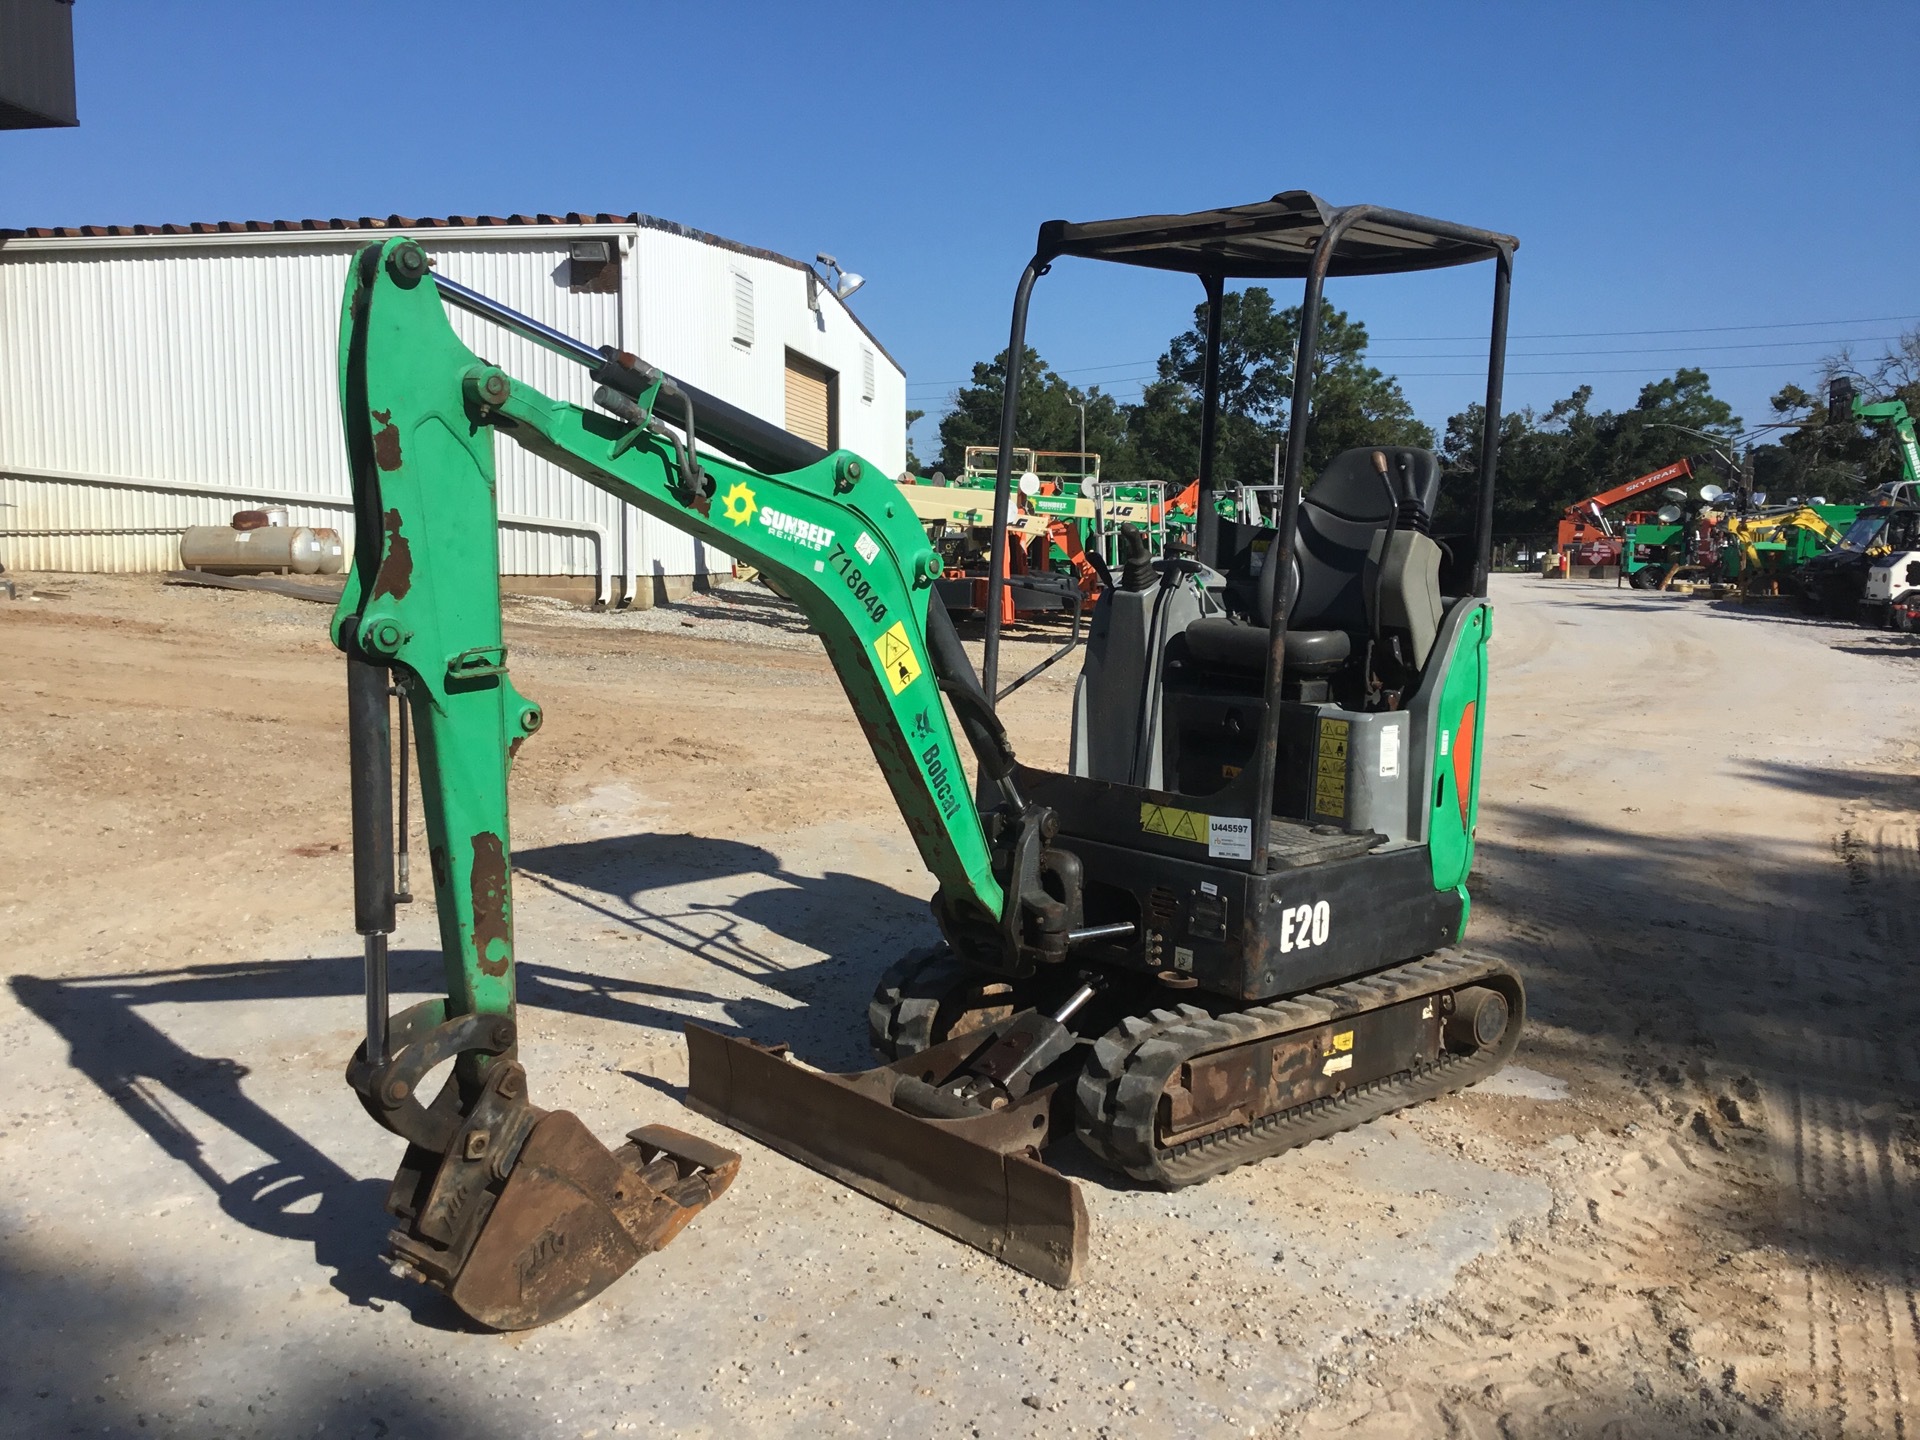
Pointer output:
x,y
1691,1206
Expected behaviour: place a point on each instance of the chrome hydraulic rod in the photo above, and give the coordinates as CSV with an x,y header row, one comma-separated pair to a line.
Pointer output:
x,y
487,308
375,957
1118,930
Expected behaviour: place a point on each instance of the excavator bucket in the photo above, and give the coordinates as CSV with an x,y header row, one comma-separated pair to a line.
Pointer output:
x,y
571,1219
978,1179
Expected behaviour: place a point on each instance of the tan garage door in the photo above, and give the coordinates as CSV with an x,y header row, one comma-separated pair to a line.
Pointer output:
x,y
811,397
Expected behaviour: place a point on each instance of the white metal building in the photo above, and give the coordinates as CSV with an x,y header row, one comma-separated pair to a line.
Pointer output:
x,y
154,377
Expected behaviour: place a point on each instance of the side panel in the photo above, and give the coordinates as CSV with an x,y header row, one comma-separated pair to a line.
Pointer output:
x,y
1257,937
1453,761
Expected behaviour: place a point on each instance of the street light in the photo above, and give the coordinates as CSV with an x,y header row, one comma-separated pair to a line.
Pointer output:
x,y
848,281
1081,406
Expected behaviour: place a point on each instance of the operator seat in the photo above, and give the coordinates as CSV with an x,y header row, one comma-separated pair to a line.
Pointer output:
x,y
1338,567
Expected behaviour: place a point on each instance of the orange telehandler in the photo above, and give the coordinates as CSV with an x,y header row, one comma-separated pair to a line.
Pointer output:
x,y
1585,523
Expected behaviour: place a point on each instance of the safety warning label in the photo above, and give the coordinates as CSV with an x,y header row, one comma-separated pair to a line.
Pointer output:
x,y
897,660
1174,824
1330,769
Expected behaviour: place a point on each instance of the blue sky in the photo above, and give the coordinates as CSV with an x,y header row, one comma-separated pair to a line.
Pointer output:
x,y
1665,165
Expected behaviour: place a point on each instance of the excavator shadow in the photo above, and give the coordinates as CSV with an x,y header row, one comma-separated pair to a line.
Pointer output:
x,y
300,1193
760,925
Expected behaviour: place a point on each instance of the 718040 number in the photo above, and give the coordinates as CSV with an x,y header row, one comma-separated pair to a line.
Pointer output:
x,y
862,588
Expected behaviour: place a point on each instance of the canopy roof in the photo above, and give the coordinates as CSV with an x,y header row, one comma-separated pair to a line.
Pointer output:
x,y
1275,239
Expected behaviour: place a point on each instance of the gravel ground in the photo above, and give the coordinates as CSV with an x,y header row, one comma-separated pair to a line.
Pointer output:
x,y
1689,1207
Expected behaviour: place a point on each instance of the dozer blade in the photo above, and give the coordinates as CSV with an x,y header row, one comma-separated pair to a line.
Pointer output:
x,y
574,1217
976,1179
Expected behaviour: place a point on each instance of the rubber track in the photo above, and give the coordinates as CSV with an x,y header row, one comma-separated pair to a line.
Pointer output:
x,y
1118,1098
906,1001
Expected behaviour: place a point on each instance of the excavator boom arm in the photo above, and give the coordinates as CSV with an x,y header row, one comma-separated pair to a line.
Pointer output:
x,y
422,599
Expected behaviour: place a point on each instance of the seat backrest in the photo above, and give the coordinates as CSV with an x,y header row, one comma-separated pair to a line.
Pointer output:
x,y
1352,487
1348,506
1340,517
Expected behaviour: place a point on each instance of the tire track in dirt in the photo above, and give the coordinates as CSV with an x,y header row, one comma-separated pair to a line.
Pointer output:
x,y
1849,1189
1747,1265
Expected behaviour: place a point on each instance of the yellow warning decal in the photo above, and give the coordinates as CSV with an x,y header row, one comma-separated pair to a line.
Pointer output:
x,y
1343,1042
1330,769
1174,824
897,659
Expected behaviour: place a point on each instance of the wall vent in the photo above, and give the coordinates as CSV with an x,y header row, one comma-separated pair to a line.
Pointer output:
x,y
742,309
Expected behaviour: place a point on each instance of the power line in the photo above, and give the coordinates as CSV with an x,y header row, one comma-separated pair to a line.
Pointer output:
x,y
1564,335
1642,350
1625,370
1541,354
1682,330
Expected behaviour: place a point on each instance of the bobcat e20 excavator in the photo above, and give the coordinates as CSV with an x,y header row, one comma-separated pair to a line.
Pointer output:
x,y
1228,929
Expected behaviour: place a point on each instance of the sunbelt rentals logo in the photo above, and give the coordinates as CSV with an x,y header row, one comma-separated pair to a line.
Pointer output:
x,y
788,527
737,504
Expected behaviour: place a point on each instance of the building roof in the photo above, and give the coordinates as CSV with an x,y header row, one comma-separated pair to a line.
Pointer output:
x,y
411,223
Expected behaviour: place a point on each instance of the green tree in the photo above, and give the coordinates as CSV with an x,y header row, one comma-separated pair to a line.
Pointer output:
x,y
1667,421
1549,459
914,463
1048,417
1835,455
1354,403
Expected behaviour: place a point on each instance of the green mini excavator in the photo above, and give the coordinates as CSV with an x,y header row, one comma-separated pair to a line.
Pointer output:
x,y
1229,927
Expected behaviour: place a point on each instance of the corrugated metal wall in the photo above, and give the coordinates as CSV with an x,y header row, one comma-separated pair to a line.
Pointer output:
x,y
532,278
193,367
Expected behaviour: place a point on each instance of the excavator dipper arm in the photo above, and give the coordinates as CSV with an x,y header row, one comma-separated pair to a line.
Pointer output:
x,y
519,1214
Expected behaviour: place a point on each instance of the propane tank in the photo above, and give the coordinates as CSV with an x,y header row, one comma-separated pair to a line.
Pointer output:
x,y
333,551
222,550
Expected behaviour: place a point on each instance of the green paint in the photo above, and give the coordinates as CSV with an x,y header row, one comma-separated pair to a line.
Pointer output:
x,y
1450,832
425,591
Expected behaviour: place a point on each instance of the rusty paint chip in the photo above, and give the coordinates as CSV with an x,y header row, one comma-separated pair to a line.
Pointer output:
x,y
396,566
491,918
386,441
